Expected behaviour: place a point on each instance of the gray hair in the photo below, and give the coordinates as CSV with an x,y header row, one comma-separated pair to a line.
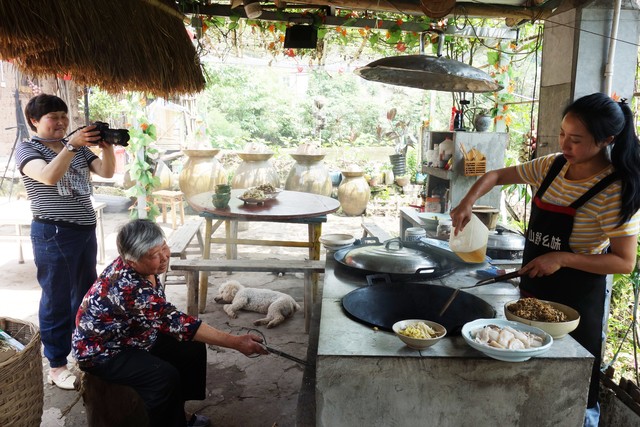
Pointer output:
x,y
137,237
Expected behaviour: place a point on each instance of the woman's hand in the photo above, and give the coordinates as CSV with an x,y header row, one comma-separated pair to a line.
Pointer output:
x,y
544,265
251,344
88,135
460,216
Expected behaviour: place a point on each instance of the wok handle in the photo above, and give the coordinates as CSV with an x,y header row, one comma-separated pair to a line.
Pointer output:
x,y
446,305
500,278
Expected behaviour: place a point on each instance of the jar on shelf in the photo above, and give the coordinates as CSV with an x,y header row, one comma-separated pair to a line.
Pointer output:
x,y
354,193
432,204
201,172
413,234
256,169
443,231
309,175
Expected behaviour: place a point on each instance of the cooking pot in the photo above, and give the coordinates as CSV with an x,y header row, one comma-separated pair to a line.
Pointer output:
x,y
382,305
395,259
504,244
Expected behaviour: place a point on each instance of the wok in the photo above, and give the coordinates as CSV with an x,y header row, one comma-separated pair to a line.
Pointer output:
x,y
392,258
382,305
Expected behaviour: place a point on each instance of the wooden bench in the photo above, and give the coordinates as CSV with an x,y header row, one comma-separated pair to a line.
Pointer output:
x,y
194,266
371,229
181,238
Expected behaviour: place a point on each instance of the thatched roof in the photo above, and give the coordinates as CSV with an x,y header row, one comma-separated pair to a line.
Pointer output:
x,y
138,45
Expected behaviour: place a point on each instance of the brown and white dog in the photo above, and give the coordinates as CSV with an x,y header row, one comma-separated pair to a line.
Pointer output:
x,y
276,305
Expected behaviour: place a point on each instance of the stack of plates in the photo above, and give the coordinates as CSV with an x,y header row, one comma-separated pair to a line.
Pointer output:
x,y
334,242
430,219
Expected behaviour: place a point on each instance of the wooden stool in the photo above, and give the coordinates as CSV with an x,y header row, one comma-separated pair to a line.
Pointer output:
x,y
173,199
109,405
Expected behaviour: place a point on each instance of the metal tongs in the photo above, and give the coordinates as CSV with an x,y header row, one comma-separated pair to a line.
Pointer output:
x,y
499,278
276,351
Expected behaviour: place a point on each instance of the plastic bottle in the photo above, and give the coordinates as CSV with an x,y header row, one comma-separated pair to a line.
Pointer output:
x,y
471,243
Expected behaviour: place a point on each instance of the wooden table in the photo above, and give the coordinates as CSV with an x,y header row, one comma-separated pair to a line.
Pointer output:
x,y
292,207
18,213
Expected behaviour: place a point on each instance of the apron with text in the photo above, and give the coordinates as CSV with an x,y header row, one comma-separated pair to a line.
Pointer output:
x,y
550,227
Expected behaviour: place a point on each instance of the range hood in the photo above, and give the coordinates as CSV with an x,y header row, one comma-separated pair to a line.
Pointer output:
x,y
428,72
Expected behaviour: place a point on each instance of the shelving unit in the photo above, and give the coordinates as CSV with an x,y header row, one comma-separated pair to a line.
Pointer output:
x,y
492,144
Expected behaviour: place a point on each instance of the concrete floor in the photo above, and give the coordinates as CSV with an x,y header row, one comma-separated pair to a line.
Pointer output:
x,y
266,391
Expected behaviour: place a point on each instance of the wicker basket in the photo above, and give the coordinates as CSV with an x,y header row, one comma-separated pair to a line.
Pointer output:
x,y
21,386
475,167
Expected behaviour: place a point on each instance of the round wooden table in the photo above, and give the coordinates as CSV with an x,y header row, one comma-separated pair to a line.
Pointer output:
x,y
289,206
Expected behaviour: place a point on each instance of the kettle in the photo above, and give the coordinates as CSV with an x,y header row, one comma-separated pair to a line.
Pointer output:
x,y
471,243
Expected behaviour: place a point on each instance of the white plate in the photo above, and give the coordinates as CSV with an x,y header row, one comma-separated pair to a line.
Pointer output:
x,y
267,197
506,355
334,242
431,219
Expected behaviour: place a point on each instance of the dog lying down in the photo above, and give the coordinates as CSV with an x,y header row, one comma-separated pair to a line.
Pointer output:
x,y
276,305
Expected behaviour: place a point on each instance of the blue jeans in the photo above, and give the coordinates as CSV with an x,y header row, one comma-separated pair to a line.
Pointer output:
x,y
66,268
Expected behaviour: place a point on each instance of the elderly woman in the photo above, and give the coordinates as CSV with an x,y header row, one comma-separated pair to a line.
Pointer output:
x,y
128,333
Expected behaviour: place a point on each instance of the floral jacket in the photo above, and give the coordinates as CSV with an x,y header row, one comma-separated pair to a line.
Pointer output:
x,y
123,310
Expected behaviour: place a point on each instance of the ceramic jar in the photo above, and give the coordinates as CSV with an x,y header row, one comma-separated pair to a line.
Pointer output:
x,y
255,169
309,175
201,172
354,193
483,122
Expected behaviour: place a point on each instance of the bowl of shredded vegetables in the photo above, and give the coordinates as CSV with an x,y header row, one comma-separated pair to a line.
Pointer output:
x,y
419,334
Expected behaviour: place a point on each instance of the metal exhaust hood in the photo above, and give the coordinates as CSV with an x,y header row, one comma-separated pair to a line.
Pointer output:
x,y
429,73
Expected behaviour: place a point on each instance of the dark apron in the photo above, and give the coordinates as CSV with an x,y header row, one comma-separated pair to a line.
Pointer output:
x,y
550,227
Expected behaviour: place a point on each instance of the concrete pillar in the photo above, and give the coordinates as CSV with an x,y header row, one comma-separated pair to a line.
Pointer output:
x,y
574,57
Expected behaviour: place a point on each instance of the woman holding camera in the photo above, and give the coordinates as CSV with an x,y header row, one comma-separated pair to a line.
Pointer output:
x,y
56,173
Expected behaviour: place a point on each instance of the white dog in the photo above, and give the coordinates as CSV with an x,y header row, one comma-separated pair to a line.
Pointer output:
x,y
276,305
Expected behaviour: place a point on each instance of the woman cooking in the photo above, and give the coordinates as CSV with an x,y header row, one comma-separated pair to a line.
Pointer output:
x,y
584,217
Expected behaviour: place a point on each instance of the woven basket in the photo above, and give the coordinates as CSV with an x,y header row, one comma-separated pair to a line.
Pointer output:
x,y
21,386
475,167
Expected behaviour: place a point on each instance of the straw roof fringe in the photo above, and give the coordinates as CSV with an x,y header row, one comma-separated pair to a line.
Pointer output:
x,y
137,45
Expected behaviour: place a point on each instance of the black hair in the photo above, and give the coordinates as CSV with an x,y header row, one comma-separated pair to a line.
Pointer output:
x,y
41,105
605,117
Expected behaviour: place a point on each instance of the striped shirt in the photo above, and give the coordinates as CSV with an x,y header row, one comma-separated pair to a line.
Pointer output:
x,y
68,202
597,220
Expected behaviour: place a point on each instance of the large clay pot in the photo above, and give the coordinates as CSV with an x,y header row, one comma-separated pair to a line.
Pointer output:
x,y
309,175
255,169
201,172
354,193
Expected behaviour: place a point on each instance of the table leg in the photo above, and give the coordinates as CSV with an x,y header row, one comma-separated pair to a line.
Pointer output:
x,y
315,231
308,297
192,293
204,276
100,235
19,234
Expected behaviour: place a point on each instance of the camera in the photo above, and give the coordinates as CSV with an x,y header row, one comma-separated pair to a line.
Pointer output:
x,y
112,136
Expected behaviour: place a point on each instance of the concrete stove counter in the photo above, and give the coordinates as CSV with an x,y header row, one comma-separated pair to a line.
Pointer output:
x,y
369,377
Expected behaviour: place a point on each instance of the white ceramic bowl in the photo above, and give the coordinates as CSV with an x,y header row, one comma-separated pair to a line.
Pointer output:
x,y
334,242
506,355
430,219
556,329
418,343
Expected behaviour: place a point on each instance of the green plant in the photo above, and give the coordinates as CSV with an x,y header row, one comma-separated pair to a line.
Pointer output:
x,y
142,167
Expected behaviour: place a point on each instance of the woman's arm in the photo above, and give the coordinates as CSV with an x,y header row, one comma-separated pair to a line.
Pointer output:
x,y
49,173
621,259
247,344
105,166
461,214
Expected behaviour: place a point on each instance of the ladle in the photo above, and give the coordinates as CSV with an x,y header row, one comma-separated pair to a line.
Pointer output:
x,y
499,278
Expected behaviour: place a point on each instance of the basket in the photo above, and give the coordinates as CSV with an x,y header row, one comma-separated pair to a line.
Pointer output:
x,y
21,386
475,167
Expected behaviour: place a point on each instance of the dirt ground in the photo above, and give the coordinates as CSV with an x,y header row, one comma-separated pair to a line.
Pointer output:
x,y
244,392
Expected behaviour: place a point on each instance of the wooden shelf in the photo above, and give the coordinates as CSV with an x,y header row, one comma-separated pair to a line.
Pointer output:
x,y
438,172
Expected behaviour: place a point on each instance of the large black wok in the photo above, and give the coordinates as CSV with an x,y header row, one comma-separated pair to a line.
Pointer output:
x,y
384,304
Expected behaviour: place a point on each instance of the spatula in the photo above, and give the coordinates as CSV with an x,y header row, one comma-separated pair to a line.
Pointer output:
x,y
499,278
